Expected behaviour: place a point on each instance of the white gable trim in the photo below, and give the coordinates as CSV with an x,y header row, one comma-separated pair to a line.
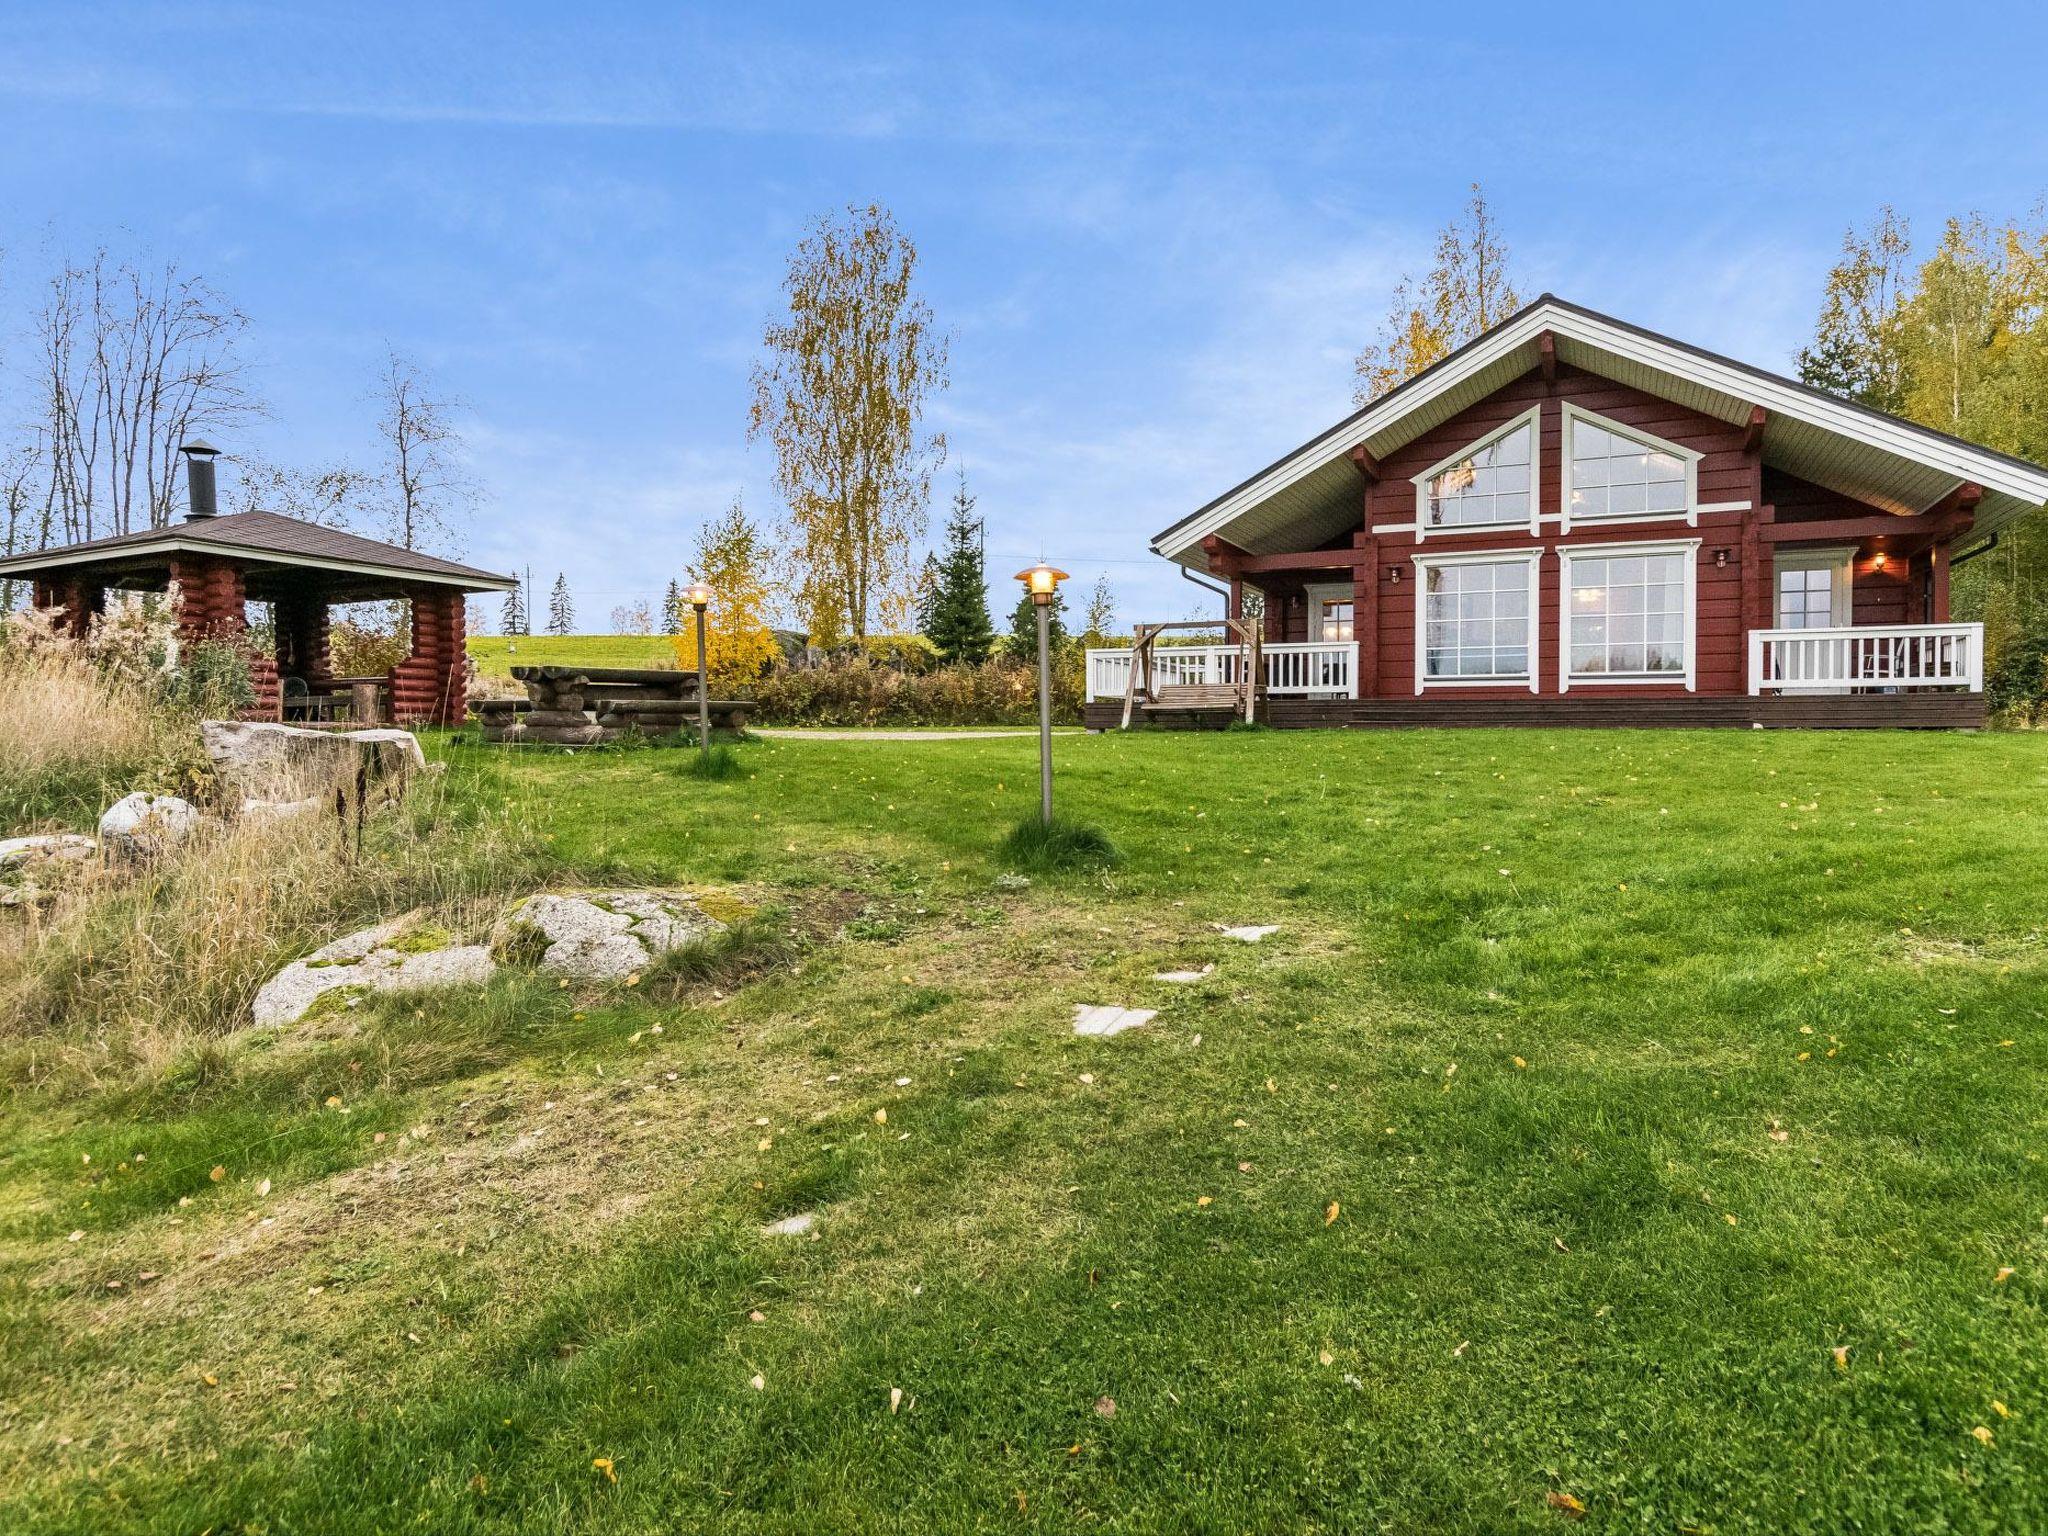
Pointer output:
x,y
1778,397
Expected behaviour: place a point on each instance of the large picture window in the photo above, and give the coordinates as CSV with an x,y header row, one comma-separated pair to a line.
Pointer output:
x,y
1476,620
1629,614
1491,484
1611,474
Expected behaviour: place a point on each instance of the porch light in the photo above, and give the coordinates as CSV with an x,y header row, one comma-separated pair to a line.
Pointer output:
x,y
1877,561
1041,581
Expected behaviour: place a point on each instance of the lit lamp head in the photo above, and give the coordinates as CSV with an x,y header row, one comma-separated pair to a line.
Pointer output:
x,y
1041,581
697,595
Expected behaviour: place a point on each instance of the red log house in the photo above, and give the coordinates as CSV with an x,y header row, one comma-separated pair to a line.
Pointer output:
x,y
1574,521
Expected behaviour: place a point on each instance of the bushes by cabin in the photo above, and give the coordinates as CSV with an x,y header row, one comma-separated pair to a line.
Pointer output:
x,y
854,689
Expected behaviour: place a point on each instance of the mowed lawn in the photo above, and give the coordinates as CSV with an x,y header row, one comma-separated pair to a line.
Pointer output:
x,y
497,655
1647,1122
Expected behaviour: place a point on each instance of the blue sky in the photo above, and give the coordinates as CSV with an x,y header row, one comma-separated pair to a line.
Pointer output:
x,y
1156,233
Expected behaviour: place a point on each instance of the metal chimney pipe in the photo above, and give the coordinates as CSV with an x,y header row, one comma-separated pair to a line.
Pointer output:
x,y
199,457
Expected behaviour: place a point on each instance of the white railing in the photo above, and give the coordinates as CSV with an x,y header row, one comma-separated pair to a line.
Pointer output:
x,y
1328,668
1877,657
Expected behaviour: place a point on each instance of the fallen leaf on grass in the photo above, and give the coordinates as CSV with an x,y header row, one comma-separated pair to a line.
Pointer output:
x,y
604,1464
2005,1273
209,1378
759,1383
1983,1434
881,1117
1565,1504
1202,1200
895,1398
1331,1212
1841,1354
2000,1409
1325,1357
757,1317
1105,1407
263,1189
218,1173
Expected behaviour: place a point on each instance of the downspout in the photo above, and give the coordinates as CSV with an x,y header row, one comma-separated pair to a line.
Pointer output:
x,y
1964,559
1224,592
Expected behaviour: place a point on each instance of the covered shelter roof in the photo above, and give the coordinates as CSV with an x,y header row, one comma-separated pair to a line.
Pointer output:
x,y
1311,494
275,553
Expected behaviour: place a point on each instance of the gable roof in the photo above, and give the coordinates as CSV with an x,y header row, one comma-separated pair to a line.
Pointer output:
x,y
268,538
1312,492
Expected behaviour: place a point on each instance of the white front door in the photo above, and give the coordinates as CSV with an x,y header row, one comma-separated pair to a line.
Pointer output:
x,y
1813,588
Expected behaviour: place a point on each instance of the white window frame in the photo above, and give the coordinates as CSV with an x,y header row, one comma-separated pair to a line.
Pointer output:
x,y
1840,559
1566,554
1423,563
1322,592
1533,420
1573,415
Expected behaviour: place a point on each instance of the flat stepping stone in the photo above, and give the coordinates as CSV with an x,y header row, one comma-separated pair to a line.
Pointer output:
x,y
1249,933
1183,976
1108,1019
791,1226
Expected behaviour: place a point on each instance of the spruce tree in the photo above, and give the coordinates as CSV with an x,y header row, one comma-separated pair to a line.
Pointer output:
x,y
958,621
672,609
513,620
561,609
1022,641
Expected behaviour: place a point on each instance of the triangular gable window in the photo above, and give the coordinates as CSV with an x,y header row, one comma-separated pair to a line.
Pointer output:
x,y
1612,474
1491,484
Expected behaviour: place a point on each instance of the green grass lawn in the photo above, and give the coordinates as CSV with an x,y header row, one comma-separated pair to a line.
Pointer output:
x,y
1650,1120
497,655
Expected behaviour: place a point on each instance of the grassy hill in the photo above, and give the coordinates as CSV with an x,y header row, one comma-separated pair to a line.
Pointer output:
x,y
496,655
1647,1121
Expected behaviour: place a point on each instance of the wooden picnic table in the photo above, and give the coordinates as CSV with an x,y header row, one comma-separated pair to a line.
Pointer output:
x,y
578,706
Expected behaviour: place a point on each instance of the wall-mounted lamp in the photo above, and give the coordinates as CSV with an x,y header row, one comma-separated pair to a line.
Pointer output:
x,y
1877,561
1720,559
1395,574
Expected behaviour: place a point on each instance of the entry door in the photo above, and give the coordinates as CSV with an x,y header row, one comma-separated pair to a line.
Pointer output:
x,y
1813,589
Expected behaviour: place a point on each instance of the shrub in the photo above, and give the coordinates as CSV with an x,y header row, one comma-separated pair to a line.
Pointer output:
x,y
1057,845
852,691
2018,679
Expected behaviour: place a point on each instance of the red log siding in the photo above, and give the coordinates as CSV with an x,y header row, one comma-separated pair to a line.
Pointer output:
x,y
431,684
212,605
1727,473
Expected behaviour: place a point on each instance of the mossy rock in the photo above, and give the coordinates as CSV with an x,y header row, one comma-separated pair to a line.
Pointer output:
x,y
729,910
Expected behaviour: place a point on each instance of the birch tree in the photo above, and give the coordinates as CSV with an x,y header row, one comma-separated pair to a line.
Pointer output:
x,y
1468,290
427,490
130,364
841,397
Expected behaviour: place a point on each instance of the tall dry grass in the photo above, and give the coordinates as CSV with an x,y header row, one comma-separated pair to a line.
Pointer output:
x,y
130,965
74,735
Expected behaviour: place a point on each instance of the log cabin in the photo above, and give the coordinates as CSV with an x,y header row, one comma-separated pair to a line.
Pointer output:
x,y
1574,521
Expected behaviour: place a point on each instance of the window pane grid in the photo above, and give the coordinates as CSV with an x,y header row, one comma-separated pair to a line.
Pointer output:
x,y
1616,476
1475,620
1627,616
1488,486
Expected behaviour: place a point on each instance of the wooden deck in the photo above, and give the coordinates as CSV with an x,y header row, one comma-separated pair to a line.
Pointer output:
x,y
1825,712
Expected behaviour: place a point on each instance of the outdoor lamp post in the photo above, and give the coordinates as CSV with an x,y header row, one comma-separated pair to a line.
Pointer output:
x,y
698,596
1042,581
